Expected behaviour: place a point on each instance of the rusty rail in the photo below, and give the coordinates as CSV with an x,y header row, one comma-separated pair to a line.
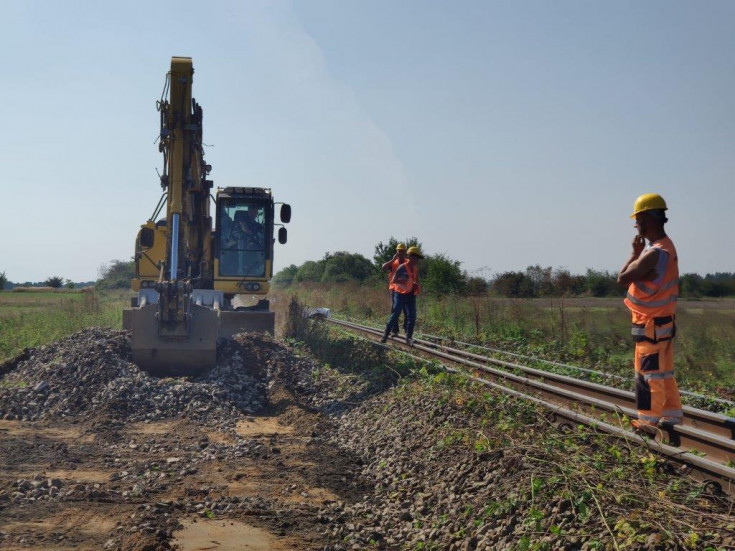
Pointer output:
x,y
578,401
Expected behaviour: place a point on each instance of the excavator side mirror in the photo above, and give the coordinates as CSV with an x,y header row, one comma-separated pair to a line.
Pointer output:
x,y
285,214
146,238
282,235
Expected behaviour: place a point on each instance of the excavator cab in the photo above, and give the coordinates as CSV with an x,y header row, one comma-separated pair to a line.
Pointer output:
x,y
242,238
243,252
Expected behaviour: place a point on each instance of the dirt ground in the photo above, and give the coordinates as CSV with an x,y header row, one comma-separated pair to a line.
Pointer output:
x,y
178,483
293,476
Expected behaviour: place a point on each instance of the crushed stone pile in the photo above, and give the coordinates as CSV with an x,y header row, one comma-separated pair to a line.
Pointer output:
x,y
91,373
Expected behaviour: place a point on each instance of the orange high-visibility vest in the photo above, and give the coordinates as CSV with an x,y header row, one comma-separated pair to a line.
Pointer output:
x,y
653,303
406,279
393,267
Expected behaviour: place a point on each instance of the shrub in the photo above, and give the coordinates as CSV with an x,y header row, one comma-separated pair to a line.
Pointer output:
x,y
55,282
116,275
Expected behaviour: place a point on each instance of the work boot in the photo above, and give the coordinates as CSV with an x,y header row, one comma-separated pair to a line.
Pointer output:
x,y
409,341
643,429
395,332
384,338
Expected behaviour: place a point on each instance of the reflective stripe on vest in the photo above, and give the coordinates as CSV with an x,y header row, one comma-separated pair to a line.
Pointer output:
x,y
651,303
655,299
649,291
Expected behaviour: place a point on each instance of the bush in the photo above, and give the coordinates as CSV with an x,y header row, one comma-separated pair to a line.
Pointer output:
x,y
286,276
309,271
343,266
116,275
440,275
476,286
602,284
54,282
511,284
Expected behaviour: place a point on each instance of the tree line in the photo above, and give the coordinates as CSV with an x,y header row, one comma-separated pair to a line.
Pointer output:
x,y
441,275
55,282
114,275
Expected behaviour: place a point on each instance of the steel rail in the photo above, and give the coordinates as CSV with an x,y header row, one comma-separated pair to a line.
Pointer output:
x,y
697,419
714,423
565,366
577,394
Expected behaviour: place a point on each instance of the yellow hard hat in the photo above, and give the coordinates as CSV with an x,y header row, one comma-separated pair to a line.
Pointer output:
x,y
400,247
648,201
415,251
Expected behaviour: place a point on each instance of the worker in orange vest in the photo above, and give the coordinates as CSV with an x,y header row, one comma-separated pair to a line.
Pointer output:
x,y
652,276
405,283
391,266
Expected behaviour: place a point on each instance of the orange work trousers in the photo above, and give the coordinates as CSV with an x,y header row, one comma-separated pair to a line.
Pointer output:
x,y
656,393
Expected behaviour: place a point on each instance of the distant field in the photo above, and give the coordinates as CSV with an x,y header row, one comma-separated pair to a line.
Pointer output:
x,y
13,302
38,317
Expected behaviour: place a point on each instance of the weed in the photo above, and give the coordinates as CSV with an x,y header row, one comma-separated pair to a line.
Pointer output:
x,y
5,383
47,317
590,332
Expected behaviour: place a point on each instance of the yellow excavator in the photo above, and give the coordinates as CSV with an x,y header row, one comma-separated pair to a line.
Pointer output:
x,y
194,277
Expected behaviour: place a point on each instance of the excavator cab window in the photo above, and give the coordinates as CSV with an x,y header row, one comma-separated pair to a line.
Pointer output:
x,y
242,229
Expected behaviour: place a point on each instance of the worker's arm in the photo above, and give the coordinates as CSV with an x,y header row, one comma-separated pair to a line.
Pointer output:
x,y
640,266
386,267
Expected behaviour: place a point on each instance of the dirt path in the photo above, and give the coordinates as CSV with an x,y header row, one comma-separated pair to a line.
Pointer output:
x,y
64,487
195,481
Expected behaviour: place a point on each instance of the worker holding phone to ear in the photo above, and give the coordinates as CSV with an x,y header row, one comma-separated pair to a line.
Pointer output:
x,y
652,276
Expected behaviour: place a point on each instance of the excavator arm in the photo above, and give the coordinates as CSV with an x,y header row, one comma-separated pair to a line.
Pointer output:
x,y
171,333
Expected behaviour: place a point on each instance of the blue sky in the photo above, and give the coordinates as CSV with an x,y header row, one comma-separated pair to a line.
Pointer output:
x,y
502,134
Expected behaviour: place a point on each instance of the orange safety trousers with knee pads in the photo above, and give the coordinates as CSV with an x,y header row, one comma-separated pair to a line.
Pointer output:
x,y
656,393
653,307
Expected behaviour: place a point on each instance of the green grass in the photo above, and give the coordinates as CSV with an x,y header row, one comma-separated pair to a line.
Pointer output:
x,y
34,319
16,303
587,332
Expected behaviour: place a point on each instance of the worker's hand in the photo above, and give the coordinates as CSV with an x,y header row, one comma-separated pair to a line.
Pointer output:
x,y
639,243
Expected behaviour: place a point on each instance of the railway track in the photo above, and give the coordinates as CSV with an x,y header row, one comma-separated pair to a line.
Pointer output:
x,y
704,444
